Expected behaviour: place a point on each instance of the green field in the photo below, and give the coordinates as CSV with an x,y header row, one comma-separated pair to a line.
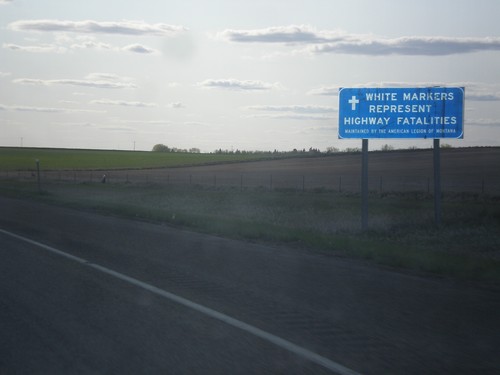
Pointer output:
x,y
22,159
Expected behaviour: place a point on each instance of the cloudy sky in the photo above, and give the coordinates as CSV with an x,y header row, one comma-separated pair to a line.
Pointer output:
x,y
233,74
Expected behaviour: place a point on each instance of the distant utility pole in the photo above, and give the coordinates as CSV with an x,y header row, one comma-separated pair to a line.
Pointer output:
x,y
21,141
134,145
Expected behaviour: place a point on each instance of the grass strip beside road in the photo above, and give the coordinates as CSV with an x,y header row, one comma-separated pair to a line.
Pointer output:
x,y
402,233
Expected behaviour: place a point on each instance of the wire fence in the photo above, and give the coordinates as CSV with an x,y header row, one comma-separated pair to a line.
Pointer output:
x,y
270,181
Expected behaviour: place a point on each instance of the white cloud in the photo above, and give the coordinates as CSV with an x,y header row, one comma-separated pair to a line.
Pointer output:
x,y
234,84
106,77
45,109
483,122
292,116
302,109
91,44
124,27
4,2
42,48
5,74
65,44
294,112
95,80
176,105
493,97
117,128
197,124
328,41
145,122
138,48
292,34
325,91
481,92
409,46
123,103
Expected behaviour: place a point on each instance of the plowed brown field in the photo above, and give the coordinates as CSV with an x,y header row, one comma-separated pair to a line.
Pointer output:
x,y
466,169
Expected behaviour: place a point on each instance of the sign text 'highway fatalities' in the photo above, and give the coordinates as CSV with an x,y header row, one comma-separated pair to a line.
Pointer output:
x,y
425,112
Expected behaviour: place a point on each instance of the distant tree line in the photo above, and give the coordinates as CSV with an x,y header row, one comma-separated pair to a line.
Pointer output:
x,y
309,152
163,148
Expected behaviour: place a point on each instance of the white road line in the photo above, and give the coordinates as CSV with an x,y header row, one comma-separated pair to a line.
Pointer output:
x,y
278,341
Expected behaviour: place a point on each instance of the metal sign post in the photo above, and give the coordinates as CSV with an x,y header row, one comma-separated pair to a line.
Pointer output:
x,y
364,185
437,182
419,113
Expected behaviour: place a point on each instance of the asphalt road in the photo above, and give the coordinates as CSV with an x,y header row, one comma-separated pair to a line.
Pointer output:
x,y
97,294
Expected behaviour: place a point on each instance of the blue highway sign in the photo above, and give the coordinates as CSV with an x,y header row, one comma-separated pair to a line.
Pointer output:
x,y
422,112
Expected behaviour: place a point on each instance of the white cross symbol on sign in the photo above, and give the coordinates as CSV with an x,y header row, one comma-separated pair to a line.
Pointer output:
x,y
353,101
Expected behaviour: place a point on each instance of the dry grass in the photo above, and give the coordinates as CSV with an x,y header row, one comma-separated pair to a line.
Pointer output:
x,y
402,231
